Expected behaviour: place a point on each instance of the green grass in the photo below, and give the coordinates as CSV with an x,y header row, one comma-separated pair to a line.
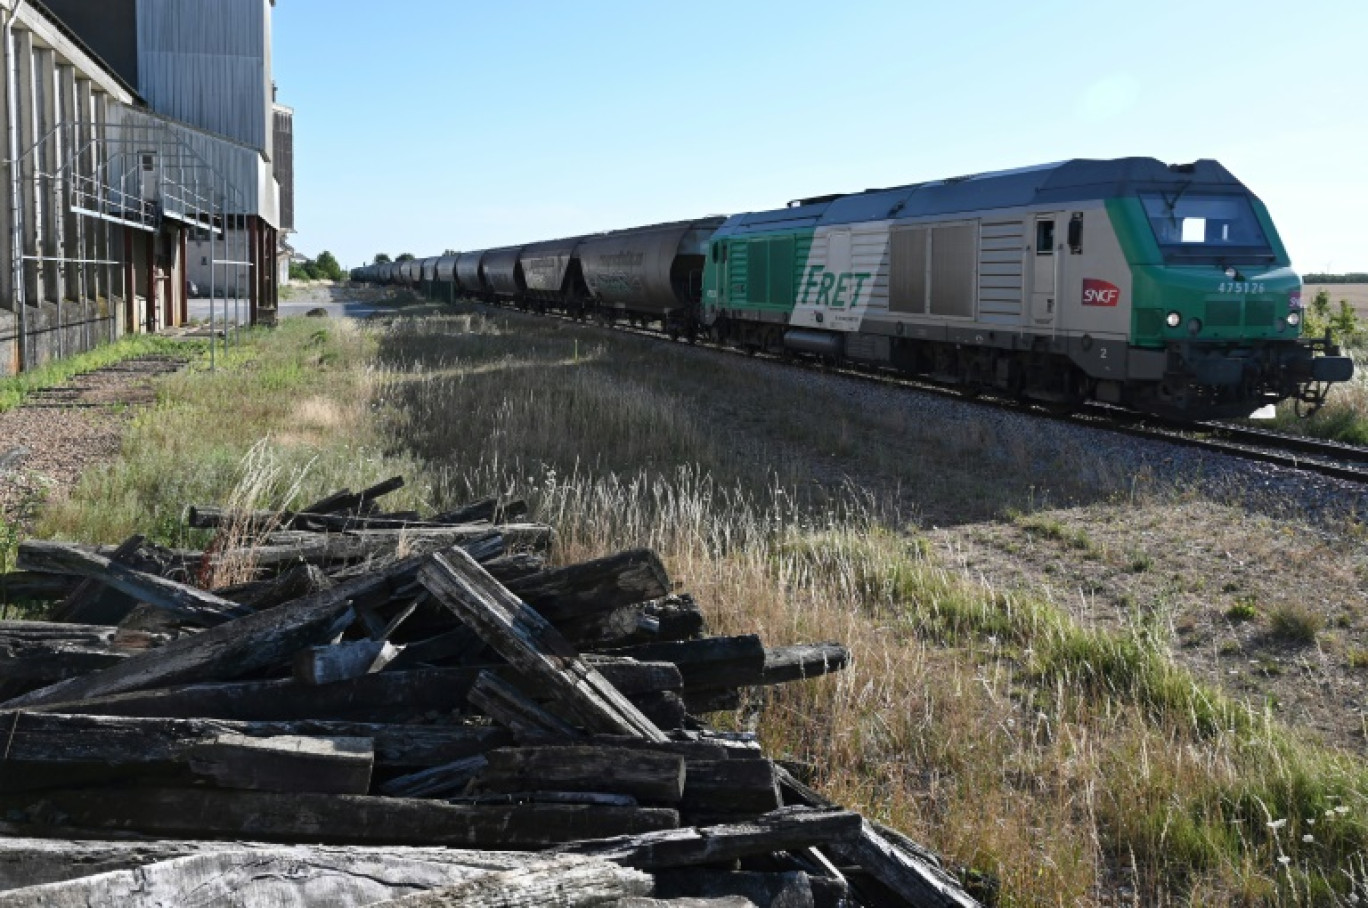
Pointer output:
x,y
14,390
988,724
283,417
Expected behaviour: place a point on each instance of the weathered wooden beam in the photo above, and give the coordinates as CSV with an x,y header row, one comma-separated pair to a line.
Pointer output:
x,y
347,500
294,583
513,565
805,660
438,781
346,548
49,651
912,873
715,663
355,545
475,511
526,640
92,602
331,663
601,585
712,662
26,862
678,618
19,586
723,790
548,797
788,889
187,602
524,718
728,901
115,741
691,750
332,502
326,818
390,695
248,523
227,651
380,489
555,884
642,774
602,630
286,763
257,522
782,830
665,708
234,874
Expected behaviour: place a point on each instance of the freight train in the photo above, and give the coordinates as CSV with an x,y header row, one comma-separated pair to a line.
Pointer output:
x,y
1160,288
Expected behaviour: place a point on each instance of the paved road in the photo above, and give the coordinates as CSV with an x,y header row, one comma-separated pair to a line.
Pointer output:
x,y
199,309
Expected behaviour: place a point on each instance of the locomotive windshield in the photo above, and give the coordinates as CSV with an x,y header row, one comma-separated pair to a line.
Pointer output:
x,y
1198,228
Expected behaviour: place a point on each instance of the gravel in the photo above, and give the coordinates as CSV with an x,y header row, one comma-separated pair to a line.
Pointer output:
x,y
1083,459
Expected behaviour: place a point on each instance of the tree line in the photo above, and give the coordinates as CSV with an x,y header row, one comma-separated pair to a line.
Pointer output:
x,y
323,268
1354,277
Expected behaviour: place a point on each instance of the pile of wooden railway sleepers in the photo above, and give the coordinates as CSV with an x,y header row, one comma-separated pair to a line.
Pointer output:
x,y
403,710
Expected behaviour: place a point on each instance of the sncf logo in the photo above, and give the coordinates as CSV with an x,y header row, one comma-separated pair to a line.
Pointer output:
x,y
1100,293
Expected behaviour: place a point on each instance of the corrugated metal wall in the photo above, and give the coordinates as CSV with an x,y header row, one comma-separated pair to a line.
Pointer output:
x,y
207,62
283,159
190,168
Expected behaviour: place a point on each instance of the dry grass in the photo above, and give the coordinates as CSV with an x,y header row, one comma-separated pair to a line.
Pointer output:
x,y
1079,765
1076,764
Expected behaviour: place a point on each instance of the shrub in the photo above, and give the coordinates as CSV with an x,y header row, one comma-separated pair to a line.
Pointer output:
x,y
1295,624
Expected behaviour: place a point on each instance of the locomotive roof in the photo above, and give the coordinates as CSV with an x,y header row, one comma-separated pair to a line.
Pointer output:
x,y
1066,181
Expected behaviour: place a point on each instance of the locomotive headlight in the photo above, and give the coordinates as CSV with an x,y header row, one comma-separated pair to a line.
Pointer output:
x,y
1194,326
1294,319
1174,319
1230,272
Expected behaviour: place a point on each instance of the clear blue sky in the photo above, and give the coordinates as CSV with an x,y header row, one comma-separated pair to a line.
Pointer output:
x,y
422,125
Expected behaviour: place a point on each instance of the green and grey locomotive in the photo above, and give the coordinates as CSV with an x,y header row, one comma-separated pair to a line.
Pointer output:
x,y
1161,288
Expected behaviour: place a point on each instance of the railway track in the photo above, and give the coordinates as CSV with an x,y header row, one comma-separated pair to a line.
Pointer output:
x,y
1312,455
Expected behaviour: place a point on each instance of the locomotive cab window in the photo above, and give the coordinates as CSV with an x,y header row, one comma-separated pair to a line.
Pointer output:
x,y
1045,237
1195,227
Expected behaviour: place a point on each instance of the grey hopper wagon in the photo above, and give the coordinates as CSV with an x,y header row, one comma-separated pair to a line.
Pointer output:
x,y
503,272
445,285
469,275
446,269
654,272
551,271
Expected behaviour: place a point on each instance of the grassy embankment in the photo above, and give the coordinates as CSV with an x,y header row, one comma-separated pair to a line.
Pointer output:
x,y
1069,761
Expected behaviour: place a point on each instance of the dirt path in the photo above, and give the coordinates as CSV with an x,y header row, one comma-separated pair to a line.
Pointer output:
x,y
59,433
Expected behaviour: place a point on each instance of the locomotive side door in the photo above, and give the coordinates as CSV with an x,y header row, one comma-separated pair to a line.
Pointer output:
x,y
1044,270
